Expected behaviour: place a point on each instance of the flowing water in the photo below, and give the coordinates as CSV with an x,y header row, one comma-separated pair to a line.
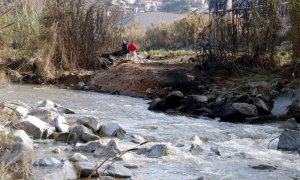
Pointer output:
x,y
241,145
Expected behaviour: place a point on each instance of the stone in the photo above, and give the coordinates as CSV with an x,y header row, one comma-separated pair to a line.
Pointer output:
x,y
264,167
262,107
90,147
21,111
142,151
118,171
158,151
56,150
64,171
110,150
78,131
112,128
45,114
131,166
62,110
21,136
46,104
289,140
290,124
80,85
195,149
246,109
237,112
137,139
155,104
214,151
61,124
86,137
91,122
286,103
86,168
35,127
62,137
78,157
48,161
172,101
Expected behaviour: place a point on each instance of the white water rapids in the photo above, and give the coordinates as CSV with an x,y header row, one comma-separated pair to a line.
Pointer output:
x,y
240,145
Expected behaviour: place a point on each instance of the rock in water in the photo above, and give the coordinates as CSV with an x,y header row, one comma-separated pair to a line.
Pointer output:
x,y
289,140
49,161
35,127
61,125
21,136
78,157
158,151
64,171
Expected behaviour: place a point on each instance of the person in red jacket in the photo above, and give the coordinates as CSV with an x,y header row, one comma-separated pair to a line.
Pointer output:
x,y
132,48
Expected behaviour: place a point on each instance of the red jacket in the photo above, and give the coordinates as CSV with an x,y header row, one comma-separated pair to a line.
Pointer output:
x,y
132,47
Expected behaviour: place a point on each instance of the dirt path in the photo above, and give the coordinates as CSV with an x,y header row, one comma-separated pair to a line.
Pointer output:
x,y
154,78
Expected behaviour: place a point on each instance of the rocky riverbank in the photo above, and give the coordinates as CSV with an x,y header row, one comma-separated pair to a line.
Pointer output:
x,y
87,135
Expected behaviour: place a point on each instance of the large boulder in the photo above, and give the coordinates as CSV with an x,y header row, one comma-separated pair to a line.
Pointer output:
x,y
21,136
61,124
195,102
64,171
35,127
155,104
287,104
62,110
238,112
289,140
262,107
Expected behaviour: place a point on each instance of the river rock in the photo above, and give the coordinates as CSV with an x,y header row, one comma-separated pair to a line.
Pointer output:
x,y
195,102
287,104
137,139
289,140
110,150
172,101
118,171
214,151
56,150
131,166
80,132
78,157
17,108
195,149
91,122
80,85
86,168
45,114
61,124
21,136
62,137
62,110
86,137
158,151
35,127
48,161
112,128
262,107
89,147
47,104
290,124
64,171
237,112
155,104
142,151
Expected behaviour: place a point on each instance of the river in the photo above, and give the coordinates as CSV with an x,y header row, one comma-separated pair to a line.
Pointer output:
x,y
240,145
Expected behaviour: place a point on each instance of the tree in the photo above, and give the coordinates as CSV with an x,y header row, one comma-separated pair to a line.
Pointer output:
x,y
295,22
